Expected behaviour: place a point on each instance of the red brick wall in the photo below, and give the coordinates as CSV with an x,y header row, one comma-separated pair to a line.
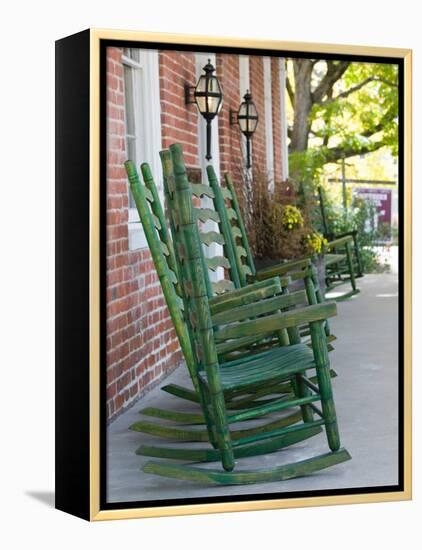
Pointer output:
x,y
276,116
256,82
141,342
179,122
227,70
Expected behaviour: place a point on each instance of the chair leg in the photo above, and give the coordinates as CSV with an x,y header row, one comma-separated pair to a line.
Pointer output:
x,y
218,420
301,390
351,268
324,384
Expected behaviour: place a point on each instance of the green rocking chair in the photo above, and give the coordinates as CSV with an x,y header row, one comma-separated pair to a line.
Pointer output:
x,y
161,246
289,363
335,272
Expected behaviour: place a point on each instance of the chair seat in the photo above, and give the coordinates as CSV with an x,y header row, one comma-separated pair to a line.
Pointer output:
x,y
334,258
273,365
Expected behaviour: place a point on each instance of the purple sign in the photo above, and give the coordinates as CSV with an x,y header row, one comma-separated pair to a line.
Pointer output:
x,y
381,198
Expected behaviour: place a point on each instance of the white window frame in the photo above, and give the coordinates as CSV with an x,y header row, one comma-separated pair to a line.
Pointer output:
x,y
268,108
283,114
147,110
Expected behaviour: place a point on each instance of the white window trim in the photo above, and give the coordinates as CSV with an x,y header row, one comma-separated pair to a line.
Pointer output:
x,y
147,130
268,107
283,114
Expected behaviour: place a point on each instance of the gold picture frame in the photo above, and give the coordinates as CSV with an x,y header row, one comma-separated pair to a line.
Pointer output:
x,y
89,506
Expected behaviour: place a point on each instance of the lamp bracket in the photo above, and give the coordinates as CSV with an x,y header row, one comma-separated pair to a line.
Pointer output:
x,y
232,117
189,98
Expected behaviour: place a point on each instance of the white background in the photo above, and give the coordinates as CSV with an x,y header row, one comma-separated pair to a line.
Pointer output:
x,y
28,31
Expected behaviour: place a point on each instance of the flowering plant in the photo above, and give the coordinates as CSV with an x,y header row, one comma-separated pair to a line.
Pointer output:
x,y
292,217
316,242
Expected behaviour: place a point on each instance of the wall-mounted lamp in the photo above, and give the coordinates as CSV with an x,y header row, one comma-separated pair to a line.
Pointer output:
x,y
208,97
247,118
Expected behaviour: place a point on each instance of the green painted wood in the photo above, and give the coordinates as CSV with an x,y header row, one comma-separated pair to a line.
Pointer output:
x,y
188,233
280,473
211,237
247,295
182,392
283,268
201,435
199,190
281,364
262,436
216,262
175,416
232,391
211,455
271,407
222,286
278,321
241,225
206,214
259,308
224,226
156,247
339,242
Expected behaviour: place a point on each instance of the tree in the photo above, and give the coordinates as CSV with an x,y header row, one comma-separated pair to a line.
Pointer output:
x,y
340,109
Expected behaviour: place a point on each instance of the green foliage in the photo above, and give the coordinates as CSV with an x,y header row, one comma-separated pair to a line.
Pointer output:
x,y
360,217
357,116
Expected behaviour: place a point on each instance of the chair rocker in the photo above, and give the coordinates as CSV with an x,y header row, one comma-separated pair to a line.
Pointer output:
x,y
287,363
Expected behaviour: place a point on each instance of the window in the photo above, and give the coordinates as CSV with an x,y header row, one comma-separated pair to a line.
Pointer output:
x,y
142,121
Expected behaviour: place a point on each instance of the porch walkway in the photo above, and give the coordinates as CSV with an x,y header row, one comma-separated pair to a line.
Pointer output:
x,y
366,359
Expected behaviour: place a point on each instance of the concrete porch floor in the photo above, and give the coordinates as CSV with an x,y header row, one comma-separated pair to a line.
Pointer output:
x,y
366,359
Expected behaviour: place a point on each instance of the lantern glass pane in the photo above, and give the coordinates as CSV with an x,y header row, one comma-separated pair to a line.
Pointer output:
x,y
213,104
243,124
243,109
213,85
202,84
252,109
201,102
252,124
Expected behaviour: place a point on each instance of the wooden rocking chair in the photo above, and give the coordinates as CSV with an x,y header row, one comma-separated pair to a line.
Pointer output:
x,y
161,246
215,379
334,274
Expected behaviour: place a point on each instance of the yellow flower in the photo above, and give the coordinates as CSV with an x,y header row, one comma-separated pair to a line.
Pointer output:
x,y
291,217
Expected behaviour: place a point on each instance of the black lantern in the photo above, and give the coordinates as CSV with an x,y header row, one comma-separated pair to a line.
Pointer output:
x,y
208,97
247,118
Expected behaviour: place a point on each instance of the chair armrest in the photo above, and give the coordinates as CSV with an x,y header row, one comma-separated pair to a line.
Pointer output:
x,y
278,321
351,233
340,241
262,307
282,269
248,294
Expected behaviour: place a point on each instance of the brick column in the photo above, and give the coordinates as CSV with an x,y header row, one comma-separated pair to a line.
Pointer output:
x,y
179,122
231,159
256,75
